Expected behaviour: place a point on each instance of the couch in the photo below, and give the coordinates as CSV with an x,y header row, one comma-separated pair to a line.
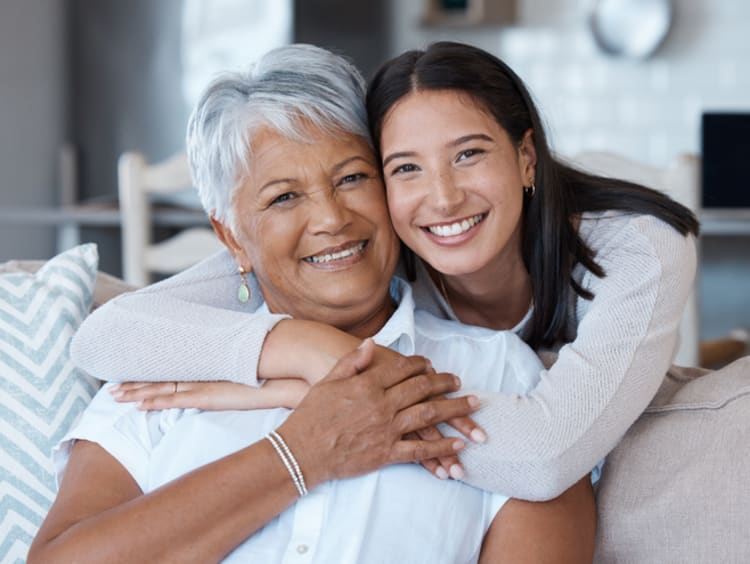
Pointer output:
x,y
672,491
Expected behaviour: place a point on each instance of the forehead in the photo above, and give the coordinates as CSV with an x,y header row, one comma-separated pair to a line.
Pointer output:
x,y
437,106
269,145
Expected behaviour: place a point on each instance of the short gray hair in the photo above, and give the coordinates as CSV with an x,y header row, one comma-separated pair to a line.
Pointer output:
x,y
286,87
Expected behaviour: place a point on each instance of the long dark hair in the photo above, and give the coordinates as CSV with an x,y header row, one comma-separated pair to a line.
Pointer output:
x,y
551,245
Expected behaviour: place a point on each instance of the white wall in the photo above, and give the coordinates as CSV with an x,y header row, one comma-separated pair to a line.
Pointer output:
x,y
33,92
649,110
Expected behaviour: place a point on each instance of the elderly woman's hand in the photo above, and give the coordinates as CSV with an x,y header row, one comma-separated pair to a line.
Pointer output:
x,y
354,420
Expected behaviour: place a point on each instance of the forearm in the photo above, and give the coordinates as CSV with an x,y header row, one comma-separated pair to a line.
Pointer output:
x,y
303,349
199,517
140,338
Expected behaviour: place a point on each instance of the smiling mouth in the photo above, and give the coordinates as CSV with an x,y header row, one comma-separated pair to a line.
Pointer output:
x,y
332,255
457,227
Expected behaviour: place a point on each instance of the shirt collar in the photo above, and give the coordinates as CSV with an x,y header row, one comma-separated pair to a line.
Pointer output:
x,y
398,331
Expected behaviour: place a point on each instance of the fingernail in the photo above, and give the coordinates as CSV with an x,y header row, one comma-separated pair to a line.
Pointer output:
x,y
473,401
457,381
478,436
457,472
441,473
458,445
116,391
362,344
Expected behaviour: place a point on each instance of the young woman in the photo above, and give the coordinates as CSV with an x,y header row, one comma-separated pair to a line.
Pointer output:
x,y
511,238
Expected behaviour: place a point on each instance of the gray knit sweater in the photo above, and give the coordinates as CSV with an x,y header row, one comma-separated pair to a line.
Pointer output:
x,y
192,327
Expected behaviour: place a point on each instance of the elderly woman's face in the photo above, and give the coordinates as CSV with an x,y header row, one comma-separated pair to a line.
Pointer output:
x,y
313,224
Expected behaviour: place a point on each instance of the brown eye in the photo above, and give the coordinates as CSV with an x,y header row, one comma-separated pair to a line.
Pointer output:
x,y
468,153
350,178
281,198
405,168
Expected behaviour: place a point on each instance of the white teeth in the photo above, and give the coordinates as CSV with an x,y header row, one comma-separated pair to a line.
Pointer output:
x,y
455,228
337,256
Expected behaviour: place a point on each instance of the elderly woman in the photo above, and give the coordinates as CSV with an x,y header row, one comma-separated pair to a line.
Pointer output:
x,y
305,209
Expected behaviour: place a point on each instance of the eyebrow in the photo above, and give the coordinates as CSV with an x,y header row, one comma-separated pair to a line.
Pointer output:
x,y
337,167
345,162
455,143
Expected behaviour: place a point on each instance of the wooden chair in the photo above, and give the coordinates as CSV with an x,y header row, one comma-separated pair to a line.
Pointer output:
x,y
138,183
681,181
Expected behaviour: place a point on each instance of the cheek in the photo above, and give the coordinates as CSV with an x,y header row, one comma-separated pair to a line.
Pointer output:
x,y
400,208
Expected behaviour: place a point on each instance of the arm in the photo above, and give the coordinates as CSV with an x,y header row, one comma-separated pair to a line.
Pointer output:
x,y
100,514
203,515
540,444
201,332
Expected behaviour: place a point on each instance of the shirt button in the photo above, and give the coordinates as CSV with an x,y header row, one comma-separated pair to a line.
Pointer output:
x,y
302,548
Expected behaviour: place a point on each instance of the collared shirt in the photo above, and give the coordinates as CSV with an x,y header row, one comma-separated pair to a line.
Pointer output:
x,y
397,514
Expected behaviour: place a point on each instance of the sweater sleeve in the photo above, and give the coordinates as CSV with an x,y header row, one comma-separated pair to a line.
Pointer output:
x,y
190,327
540,444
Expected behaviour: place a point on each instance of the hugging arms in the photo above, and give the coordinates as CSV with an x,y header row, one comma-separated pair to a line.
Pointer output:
x,y
480,242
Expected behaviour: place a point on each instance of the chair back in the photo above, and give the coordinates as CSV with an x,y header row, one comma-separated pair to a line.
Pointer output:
x,y
138,183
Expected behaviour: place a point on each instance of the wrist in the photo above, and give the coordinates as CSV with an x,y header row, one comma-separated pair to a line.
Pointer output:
x,y
316,348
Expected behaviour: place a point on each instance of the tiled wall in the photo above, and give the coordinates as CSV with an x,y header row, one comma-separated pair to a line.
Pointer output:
x,y
646,109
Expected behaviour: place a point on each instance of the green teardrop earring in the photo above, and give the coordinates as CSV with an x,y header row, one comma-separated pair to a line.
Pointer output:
x,y
243,294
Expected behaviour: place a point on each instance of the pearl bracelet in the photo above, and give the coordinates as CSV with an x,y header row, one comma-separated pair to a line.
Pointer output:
x,y
289,461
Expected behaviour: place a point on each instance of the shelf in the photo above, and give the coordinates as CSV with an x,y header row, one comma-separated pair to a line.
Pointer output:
x,y
104,214
68,220
725,221
471,13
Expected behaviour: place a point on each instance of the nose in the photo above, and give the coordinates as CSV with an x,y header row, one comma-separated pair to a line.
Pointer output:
x,y
329,215
447,195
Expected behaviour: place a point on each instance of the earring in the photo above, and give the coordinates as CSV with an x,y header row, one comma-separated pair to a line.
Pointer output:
x,y
243,294
529,191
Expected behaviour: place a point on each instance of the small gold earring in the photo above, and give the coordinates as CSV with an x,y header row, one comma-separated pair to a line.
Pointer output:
x,y
243,294
529,191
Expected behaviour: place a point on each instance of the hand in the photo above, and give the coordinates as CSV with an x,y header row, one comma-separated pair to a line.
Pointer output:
x,y
355,419
212,396
450,466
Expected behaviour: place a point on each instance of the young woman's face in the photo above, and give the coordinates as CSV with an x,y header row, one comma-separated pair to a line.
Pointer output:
x,y
455,181
312,223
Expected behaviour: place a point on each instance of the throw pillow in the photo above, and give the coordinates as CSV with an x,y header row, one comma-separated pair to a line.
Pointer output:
x,y
41,392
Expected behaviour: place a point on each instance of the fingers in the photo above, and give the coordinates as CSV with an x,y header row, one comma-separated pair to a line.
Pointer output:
x,y
399,368
444,467
433,411
468,428
139,391
418,450
421,387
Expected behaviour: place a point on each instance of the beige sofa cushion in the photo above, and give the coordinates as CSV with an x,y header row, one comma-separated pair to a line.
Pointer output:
x,y
677,489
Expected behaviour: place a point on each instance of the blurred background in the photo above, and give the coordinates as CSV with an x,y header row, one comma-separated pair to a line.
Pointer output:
x,y
82,81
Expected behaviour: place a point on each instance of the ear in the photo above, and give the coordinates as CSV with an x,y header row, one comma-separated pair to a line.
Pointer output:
x,y
226,236
527,158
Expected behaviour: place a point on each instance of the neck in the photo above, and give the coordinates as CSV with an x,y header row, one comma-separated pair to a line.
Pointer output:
x,y
369,325
497,297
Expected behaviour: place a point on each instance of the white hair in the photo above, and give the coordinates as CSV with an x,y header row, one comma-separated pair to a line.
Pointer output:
x,y
286,88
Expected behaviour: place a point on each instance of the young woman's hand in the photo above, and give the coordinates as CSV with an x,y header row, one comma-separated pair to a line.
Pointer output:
x,y
450,466
212,396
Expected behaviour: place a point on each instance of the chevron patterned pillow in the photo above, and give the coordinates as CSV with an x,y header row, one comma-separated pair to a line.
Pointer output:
x,y
41,392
